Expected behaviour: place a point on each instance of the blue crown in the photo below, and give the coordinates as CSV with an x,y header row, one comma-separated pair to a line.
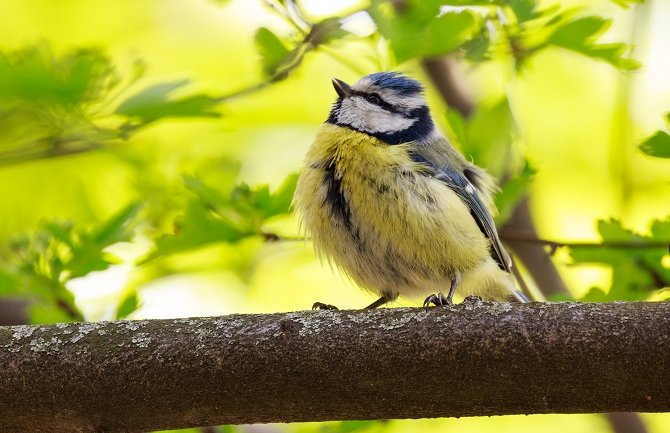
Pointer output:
x,y
396,81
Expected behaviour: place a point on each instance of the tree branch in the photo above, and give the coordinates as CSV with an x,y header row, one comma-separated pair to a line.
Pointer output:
x,y
471,359
511,234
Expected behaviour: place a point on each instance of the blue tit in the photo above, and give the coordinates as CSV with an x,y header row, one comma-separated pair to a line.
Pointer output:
x,y
386,198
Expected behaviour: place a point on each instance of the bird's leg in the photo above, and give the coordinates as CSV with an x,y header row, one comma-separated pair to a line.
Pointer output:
x,y
322,306
440,300
381,301
452,289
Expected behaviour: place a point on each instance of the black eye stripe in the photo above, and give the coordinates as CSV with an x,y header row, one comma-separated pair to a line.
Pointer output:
x,y
383,104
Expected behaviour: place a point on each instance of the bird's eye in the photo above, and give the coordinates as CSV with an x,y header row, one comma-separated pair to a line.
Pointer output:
x,y
374,99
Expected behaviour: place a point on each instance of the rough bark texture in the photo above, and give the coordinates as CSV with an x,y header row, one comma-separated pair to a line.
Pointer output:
x,y
471,359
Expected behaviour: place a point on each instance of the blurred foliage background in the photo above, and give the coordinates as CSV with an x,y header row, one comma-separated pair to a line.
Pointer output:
x,y
149,149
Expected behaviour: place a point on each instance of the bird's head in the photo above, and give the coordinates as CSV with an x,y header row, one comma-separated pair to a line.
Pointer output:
x,y
386,105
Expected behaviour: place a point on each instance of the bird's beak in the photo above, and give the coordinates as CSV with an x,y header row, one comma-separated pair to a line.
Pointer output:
x,y
342,88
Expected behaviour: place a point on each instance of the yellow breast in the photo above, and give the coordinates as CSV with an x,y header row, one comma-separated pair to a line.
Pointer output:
x,y
374,212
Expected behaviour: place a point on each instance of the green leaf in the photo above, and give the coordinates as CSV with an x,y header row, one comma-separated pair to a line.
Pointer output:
x,y
657,145
660,229
513,191
636,272
580,36
448,32
524,10
34,75
490,131
272,50
156,102
579,33
9,284
279,202
457,128
89,253
128,305
199,227
212,217
477,48
466,2
627,3
416,30
327,30
117,228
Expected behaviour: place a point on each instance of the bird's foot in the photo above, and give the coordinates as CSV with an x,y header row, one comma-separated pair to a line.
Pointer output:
x,y
322,306
472,299
438,300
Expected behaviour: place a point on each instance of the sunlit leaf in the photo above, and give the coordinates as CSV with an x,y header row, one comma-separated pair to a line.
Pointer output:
x,y
660,229
637,269
513,191
213,217
457,128
657,145
9,284
477,48
627,3
280,200
89,253
576,34
490,131
325,31
416,30
118,228
198,227
272,50
128,305
156,102
580,35
35,74
524,10
48,102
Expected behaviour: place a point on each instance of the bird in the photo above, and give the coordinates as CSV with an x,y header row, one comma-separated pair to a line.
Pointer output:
x,y
386,198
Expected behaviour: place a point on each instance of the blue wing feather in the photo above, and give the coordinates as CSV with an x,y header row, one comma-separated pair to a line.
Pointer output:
x,y
459,183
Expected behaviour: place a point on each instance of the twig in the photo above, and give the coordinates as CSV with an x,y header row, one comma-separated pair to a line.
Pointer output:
x,y
520,235
274,237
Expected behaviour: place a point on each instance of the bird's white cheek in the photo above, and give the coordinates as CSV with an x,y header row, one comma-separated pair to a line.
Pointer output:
x,y
367,117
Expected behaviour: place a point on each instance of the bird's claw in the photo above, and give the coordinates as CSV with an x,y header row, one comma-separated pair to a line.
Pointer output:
x,y
438,300
472,299
322,306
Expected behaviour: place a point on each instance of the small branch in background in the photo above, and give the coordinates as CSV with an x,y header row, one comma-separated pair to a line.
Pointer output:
x,y
273,237
626,422
13,312
31,154
510,234
441,72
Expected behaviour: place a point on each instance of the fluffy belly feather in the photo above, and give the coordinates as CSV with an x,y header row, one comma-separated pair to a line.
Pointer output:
x,y
390,228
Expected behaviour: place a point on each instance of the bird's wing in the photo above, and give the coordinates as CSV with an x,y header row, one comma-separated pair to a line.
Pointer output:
x,y
458,181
